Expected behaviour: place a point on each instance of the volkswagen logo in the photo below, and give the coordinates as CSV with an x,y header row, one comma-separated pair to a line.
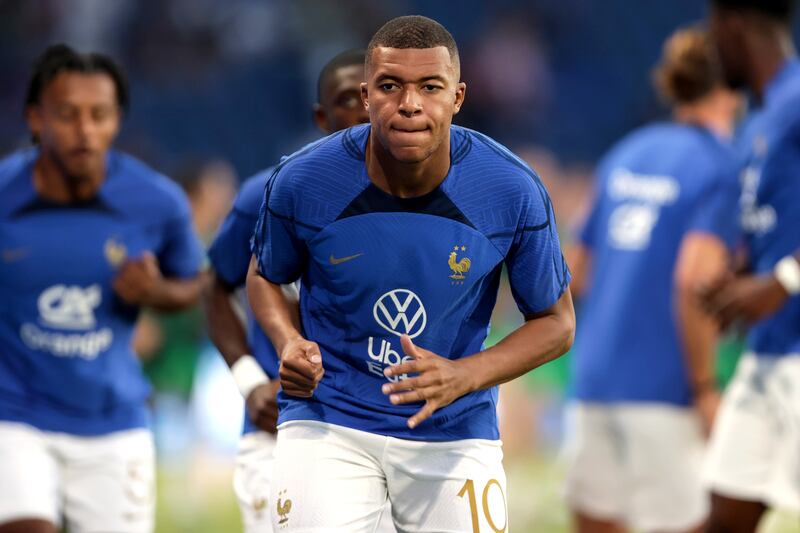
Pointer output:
x,y
401,312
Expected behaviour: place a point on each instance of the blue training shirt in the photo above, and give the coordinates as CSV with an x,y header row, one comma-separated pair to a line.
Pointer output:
x,y
230,256
770,180
66,362
655,186
375,266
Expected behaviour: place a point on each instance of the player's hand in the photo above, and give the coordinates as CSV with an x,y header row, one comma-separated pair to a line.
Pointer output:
x,y
439,382
262,406
706,403
301,367
138,280
744,298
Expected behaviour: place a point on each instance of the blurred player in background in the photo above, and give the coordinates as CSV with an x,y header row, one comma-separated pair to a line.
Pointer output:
x,y
662,222
338,106
89,236
754,456
399,230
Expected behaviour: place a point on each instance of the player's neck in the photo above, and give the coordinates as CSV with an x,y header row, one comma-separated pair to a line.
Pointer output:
x,y
406,180
51,181
715,112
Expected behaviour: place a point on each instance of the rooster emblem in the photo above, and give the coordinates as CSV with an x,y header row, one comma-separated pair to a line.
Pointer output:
x,y
461,267
283,508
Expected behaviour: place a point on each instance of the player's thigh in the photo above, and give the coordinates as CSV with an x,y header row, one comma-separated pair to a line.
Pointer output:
x,y
29,477
592,454
457,486
109,482
664,450
252,479
742,448
783,389
327,478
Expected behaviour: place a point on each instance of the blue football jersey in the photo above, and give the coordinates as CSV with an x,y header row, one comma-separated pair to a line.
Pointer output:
x,y
770,216
230,256
659,183
374,267
66,362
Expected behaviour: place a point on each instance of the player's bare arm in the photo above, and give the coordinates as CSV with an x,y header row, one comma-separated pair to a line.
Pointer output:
x,y
140,282
228,335
301,361
752,297
440,381
702,259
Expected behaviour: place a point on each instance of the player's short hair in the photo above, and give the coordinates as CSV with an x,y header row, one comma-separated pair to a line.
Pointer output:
x,y
688,69
345,59
782,10
413,31
61,58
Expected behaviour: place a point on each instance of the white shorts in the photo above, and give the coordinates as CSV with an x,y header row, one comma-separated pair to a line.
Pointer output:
x,y
334,479
636,464
251,480
754,453
104,483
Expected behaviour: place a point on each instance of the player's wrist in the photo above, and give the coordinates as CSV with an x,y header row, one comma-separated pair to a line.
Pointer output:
x,y
248,375
787,274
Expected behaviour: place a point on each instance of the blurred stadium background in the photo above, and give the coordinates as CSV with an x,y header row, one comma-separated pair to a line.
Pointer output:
x,y
221,89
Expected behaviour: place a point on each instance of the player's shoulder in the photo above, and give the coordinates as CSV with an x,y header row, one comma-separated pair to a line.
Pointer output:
x,y
251,193
490,174
323,159
134,185
324,175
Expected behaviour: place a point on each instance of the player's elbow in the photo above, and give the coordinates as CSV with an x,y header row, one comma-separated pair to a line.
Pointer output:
x,y
567,331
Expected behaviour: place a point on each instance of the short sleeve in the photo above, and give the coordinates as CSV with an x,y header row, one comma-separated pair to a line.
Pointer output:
x,y
181,253
537,271
229,253
281,254
716,210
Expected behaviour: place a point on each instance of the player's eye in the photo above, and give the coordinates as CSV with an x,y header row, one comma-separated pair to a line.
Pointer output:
x,y
388,86
431,88
100,114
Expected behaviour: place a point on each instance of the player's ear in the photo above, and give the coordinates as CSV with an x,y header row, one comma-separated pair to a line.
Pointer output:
x,y
320,117
461,91
365,95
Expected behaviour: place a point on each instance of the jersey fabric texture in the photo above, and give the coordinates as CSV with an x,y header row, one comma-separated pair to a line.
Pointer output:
x,y
374,266
655,186
66,362
230,256
770,180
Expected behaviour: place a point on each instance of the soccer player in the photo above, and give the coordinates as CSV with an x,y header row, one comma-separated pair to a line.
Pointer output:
x,y
89,236
754,455
339,106
398,230
661,223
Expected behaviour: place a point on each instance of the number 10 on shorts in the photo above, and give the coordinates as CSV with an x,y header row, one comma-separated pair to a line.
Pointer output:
x,y
468,490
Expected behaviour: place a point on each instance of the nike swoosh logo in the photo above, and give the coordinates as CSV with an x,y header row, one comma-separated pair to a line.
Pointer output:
x,y
14,254
339,261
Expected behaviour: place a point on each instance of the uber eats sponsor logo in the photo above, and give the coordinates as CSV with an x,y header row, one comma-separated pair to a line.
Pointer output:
x,y
68,308
399,312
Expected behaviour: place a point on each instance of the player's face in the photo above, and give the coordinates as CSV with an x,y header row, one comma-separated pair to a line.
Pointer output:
x,y
726,31
411,96
341,105
76,121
